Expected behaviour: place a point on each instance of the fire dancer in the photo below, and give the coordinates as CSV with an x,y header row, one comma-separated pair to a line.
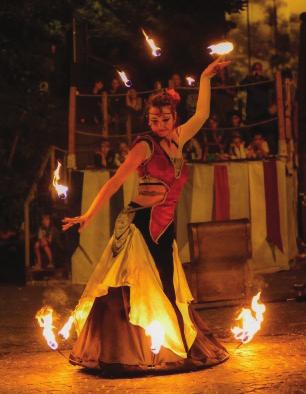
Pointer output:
x,y
139,285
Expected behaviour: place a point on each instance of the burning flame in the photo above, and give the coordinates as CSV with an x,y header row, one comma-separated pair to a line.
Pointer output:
x,y
190,81
44,318
156,333
156,51
124,78
250,323
65,331
222,48
60,189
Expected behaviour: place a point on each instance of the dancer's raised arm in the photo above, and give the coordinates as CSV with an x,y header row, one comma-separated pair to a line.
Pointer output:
x,y
192,126
136,156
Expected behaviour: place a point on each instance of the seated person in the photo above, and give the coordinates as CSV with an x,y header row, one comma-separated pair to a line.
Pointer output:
x,y
45,236
258,148
237,149
104,157
192,150
134,107
122,153
213,140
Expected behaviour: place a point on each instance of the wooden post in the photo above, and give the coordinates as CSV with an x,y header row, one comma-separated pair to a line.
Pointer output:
x,y
282,147
71,160
104,103
129,128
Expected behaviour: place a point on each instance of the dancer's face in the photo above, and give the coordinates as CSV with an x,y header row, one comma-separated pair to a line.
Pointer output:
x,y
162,120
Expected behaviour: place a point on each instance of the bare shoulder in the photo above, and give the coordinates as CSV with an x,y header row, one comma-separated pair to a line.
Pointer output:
x,y
142,148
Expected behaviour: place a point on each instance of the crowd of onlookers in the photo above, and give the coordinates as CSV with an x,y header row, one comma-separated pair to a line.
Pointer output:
x,y
209,146
242,125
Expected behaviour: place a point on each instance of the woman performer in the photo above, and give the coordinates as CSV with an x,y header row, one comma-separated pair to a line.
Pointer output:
x,y
139,283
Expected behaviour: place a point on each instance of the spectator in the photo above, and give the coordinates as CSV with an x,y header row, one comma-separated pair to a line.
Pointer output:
x,y
116,107
90,107
213,138
157,86
46,232
191,102
257,95
96,103
235,122
175,82
104,157
258,148
237,149
223,99
122,153
192,150
134,108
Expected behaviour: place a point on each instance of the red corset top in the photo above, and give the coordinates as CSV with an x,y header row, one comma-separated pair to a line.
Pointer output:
x,y
160,166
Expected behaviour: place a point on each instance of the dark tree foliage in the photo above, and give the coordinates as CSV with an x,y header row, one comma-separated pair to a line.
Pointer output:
x,y
35,42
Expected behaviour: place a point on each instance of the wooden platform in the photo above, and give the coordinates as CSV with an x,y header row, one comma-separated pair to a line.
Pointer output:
x,y
219,252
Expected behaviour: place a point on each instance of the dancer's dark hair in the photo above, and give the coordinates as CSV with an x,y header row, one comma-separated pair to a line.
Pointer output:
x,y
165,98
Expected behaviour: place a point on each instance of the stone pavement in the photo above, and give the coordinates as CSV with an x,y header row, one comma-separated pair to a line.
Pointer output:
x,y
274,362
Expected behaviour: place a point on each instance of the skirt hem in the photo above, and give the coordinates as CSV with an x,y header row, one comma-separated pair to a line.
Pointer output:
x,y
118,369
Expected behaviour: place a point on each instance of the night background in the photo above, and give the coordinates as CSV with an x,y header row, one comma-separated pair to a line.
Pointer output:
x,y
240,221
36,47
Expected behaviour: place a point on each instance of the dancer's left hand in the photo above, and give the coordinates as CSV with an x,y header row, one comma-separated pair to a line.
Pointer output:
x,y
213,68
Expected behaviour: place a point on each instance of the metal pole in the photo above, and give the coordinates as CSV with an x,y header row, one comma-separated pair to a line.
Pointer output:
x,y
71,160
74,49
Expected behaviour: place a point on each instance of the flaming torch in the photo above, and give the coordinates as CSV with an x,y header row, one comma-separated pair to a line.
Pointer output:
x,y
60,189
65,331
124,78
156,333
250,321
222,48
190,80
45,320
156,51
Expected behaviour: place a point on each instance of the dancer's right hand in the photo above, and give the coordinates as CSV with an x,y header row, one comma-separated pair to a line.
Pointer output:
x,y
69,222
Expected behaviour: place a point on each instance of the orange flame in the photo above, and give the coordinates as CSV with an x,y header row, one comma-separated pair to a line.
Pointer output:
x,y
250,324
156,333
60,189
65,331
222,48
124,78
190,80
156,51
44,318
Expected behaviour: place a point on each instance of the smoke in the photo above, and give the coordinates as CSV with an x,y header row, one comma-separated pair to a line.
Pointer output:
x,y
56,297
